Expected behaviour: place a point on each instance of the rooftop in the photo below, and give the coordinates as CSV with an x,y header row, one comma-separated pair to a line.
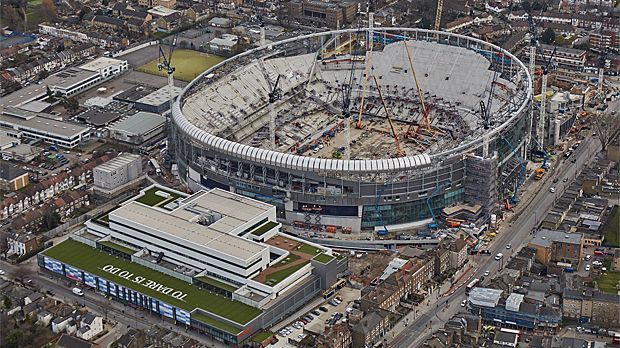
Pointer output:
x,y
117,162
160,96
46,125
139,123
69,77
10,172
91,260
485,297
100,63
546,237
226,213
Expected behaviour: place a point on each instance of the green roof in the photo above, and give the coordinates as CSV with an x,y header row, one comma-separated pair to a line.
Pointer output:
x,y
261,336
91,260
264,228
216,323
119,247
310,250
151,199
276,277
216,283
323,258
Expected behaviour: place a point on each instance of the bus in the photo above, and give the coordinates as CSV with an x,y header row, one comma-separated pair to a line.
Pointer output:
x,y
472,285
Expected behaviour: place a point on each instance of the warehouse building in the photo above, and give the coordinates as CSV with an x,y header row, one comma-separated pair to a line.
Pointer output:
x,y
213,260
140,128
158,101
113,175
33,126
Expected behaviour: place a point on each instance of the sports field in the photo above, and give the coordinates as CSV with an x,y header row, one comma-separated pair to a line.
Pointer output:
x,y
93,261
188,64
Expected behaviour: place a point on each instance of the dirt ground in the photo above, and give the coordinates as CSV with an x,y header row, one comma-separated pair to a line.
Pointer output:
x,y
369,266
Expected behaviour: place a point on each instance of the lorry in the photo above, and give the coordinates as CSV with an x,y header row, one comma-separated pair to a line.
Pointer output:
x,y
539,173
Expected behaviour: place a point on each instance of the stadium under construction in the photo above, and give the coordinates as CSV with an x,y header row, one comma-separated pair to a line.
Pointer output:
x,y
359,129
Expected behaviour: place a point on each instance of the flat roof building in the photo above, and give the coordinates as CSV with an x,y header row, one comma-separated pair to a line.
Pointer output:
x,y
161,249
558,246
139,128
158,101
113,175
51,131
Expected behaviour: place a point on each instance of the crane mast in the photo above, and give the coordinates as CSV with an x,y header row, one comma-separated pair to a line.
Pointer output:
x,y
410,131
399,151
438,15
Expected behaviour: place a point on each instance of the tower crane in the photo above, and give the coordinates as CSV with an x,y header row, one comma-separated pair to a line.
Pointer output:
x,y
438,15
364,77
346,107
544,71
165,64
411,132
399,151
274,94
601,64
532,62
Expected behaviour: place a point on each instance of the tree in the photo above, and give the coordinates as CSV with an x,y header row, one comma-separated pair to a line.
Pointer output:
x,y
606,126
51,220
15,338
71,104
526,6
7,303
548,36
50,9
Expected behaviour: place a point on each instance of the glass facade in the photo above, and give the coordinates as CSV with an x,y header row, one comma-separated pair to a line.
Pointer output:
x,y
400,213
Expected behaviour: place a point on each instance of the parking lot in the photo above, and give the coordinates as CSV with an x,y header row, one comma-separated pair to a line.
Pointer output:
x,y
327,314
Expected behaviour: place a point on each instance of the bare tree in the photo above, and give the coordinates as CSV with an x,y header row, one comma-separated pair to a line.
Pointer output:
x,y
606,125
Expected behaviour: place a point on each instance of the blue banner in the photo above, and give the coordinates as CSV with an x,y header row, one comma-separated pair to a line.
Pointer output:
x,y
166,310
183,316
53,265
112,289
90,280
73,273
103,285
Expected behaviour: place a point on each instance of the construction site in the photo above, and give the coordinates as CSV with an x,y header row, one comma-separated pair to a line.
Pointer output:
x,y
359,128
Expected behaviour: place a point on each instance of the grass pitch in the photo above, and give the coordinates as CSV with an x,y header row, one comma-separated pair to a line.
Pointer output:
x,y
92,261
188,64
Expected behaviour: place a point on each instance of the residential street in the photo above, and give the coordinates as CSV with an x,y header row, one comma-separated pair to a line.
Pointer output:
x,y
516,230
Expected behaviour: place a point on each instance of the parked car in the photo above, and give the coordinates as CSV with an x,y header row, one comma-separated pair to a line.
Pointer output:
x,y
463,303
315,312
323,309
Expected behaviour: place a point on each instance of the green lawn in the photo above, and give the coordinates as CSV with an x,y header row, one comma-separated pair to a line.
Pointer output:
x,y
188,64
151,199
290,258
264,228
208,320
611,230
91,260
323,258
216,283
608,282
261,336
119,247
310,250
276,277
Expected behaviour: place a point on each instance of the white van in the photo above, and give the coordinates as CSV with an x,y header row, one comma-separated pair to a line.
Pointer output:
x,y
78,291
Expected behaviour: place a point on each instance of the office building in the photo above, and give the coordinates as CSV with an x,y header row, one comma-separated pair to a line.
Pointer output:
x,y
214,260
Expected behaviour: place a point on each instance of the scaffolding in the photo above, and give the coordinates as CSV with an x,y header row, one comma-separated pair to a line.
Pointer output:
x,y
481,182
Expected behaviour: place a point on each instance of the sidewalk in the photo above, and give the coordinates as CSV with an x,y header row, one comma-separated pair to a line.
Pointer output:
x,y
431,303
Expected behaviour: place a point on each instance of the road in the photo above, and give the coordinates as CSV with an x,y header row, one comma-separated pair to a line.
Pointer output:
x,y
516,233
